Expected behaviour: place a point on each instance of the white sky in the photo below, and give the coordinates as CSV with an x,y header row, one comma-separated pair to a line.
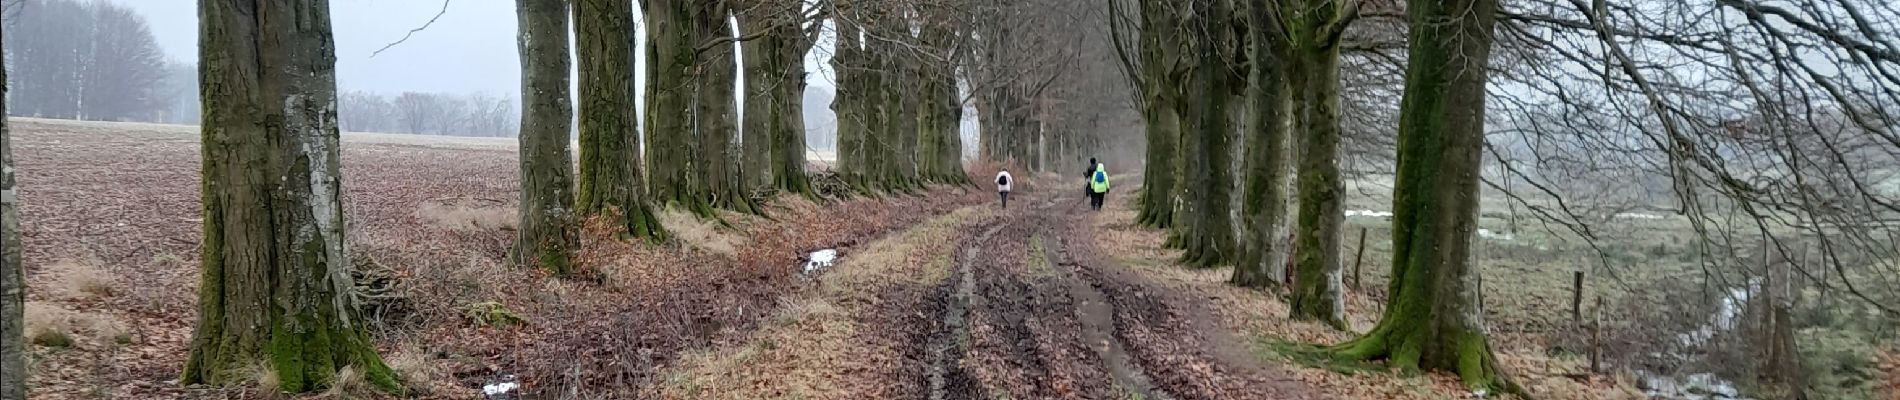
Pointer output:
x,y
470,49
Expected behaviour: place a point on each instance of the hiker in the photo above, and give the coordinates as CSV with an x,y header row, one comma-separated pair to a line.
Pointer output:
x,y
1098,186
1087,175
1002,186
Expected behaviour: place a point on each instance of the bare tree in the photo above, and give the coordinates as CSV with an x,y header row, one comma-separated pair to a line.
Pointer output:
x,y
91,60
123,75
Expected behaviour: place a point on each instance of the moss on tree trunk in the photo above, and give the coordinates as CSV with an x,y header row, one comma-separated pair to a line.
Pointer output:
x,y
762,77
1432,319
784,67
276,282
672,140
852,134
713,115
545,238
1263,202
12,273
610,181
1314,73
1207,131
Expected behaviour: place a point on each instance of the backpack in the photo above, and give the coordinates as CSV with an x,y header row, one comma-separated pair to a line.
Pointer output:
x,y
1002,180
1101,177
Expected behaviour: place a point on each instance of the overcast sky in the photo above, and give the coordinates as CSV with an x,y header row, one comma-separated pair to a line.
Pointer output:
x,y
470,49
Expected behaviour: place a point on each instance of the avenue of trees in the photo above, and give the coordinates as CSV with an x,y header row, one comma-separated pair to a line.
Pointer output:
x,y
275,274
1765,120
1768,119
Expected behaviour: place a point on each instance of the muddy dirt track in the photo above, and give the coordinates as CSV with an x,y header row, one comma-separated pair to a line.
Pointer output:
x,y
1030,313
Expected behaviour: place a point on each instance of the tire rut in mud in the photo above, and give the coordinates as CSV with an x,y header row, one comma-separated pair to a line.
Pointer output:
x,y
946,378
1097,316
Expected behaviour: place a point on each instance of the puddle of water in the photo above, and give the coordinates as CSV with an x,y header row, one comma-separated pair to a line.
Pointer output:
x,y
819,260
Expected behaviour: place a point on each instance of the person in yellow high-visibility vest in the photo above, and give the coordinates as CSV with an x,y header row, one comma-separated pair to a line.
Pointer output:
x,y
1098,186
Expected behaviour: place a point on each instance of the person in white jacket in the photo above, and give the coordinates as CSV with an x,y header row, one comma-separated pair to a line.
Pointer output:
x,y
1003,181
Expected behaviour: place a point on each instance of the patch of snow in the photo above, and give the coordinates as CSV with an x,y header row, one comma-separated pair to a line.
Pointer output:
x,y
1703,386
820,260
1495,235
1637,216
1692,387
1368,213
501,388
1725,317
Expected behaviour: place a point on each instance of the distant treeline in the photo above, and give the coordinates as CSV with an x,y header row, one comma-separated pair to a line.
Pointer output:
x,y
83,60
477,114
97,60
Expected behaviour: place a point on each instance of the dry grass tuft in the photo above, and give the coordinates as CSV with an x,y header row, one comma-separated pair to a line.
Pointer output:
x,y
465,214
80,280
266,378
414,368
700,233
348,383
53,325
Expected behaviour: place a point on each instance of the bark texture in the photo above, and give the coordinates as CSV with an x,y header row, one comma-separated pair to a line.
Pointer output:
x,y
671,133
1207,133
12,273
774,142
714,116
848,65
546,238
610,182
1160,52
1313,63
1263,202
276,281
760,114
1432,318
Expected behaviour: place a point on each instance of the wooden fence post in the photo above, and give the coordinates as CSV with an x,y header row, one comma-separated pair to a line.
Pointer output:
x,y
1596,338
1576,297
1359,257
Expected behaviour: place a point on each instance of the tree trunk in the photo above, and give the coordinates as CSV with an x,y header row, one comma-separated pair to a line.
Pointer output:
x,y
671,138
545,238
276,282
12,273
1319,281
713,114
788,115
764,73
1263,205
1432,319
846,64
1209,240
1159,47
610,179
939,155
